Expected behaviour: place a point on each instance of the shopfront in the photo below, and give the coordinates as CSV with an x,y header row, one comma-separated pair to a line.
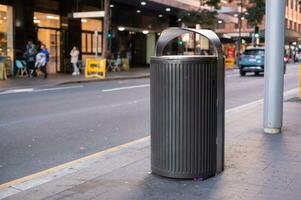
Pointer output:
x,y
6,37
91,37
49,33
133,34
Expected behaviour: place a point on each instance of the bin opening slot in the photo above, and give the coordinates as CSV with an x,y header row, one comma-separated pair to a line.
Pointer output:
x,y
189,44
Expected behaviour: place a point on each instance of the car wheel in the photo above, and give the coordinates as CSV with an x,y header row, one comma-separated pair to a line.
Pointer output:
x,y
242,73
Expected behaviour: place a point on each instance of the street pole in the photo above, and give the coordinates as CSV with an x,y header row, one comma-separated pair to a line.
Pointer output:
x,y
106,27
239,31
274,47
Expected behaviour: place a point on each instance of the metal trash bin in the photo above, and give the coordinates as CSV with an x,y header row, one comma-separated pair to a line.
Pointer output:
x,y
187,110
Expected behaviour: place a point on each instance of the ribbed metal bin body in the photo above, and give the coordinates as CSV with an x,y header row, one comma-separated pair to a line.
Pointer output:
x,y
184,116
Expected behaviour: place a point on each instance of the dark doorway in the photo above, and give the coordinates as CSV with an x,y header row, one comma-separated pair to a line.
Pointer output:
x,y
138,50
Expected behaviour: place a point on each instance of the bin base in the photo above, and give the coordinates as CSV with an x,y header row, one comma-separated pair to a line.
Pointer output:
x,y
201,176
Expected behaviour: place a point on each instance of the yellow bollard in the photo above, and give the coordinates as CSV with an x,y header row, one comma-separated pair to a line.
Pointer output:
x,y
95,68
299,83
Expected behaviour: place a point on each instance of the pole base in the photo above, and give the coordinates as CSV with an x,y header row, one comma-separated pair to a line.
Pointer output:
x,y
272,131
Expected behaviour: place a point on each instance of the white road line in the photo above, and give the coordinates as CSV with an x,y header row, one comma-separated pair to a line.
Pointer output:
x,y
58,88
125,88
16,91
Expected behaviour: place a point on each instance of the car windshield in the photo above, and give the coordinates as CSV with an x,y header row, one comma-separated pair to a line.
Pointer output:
x,y
254,52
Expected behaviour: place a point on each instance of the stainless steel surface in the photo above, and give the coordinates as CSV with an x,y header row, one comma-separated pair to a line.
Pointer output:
x,y
274,45
187,110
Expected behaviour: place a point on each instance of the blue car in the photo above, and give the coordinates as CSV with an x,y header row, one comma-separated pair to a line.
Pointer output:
x,y
252,60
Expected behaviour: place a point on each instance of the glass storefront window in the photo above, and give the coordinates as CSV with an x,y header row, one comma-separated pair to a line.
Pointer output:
x,y
49,34
5,30
91,25
6,36
89,43
46,20
89,40
99,43
84,48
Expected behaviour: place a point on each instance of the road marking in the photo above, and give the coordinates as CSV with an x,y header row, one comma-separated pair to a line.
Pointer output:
x,y
16,91
126,88
30,181
58,88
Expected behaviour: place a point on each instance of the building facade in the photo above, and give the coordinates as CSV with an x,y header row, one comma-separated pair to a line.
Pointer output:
x,y
228,29
135,26
134,29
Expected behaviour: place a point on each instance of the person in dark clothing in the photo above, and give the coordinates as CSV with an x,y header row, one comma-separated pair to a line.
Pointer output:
x,y
29,55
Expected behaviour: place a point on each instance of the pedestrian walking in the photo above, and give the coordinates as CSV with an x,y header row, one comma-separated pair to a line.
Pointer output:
x,y
42,59
29,55
74,60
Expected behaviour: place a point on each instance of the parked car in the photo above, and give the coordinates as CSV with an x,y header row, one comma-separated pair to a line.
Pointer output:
x,y
252,60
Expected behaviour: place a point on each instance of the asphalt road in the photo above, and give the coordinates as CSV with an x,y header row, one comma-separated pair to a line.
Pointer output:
x,y
46,127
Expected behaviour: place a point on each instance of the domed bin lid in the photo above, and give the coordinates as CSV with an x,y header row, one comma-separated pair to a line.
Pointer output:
x,y
174,32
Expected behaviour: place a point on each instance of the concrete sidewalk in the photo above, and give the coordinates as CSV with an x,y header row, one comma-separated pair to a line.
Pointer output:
x,y
257,167
60,79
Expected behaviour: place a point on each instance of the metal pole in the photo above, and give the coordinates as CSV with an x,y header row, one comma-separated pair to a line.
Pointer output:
x,y
274,66
239,31
106,28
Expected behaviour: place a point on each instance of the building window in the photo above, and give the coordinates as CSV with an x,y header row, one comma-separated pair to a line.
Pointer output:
x,y
6,37
250,26
84,42
236,26
220,25
295,26
6,31
291,24
90,40
91,25
46,20
48,26
292,4
89,43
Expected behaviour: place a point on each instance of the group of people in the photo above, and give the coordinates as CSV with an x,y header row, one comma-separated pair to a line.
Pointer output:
x,y
36,58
